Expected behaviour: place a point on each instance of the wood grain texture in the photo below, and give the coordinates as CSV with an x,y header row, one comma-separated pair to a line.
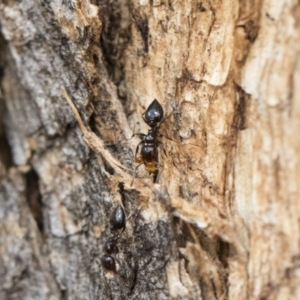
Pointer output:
x,y
223,221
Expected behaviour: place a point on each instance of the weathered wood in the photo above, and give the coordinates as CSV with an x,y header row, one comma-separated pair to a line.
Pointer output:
x,y
223,222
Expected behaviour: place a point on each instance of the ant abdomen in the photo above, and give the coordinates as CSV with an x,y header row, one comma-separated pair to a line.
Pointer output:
x,y
118,218
154,114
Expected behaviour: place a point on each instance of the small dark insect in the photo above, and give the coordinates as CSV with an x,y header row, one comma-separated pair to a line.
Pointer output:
x,y
118,218
147,150
108,262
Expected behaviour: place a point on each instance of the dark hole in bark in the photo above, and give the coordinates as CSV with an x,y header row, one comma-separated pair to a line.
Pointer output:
x,y
33,198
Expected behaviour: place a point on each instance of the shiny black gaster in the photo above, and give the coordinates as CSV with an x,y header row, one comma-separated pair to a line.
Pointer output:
x,y
118,218
154,114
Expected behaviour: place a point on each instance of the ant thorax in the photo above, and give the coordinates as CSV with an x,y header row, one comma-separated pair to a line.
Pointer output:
x,y
151,136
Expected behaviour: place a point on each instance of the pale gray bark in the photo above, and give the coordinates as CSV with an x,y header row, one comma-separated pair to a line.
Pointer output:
x,y
223,222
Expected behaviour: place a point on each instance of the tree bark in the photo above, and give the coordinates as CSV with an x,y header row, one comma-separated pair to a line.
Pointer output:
x,y
223,220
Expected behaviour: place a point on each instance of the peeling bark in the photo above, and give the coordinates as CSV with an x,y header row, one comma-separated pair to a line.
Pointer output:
x,y
223,220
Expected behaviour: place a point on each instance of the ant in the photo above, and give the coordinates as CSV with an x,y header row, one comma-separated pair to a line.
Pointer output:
x,y
147,150
117,221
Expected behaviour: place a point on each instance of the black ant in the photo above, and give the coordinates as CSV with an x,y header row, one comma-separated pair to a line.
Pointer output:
x,y
147,150
117,221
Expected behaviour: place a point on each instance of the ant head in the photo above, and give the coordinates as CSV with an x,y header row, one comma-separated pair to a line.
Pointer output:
x,y
154,114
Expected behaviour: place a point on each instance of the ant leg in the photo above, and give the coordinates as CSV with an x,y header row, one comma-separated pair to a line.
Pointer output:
x,y
168,138
107,285
136,212
166,117
141,136
134,175
162,146
137,160
156,174
137,149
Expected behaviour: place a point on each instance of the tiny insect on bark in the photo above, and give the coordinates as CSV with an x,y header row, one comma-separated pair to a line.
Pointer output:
x,y
147,150
118,218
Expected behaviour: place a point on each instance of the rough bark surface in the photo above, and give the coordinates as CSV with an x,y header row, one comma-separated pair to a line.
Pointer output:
x,y
223,221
